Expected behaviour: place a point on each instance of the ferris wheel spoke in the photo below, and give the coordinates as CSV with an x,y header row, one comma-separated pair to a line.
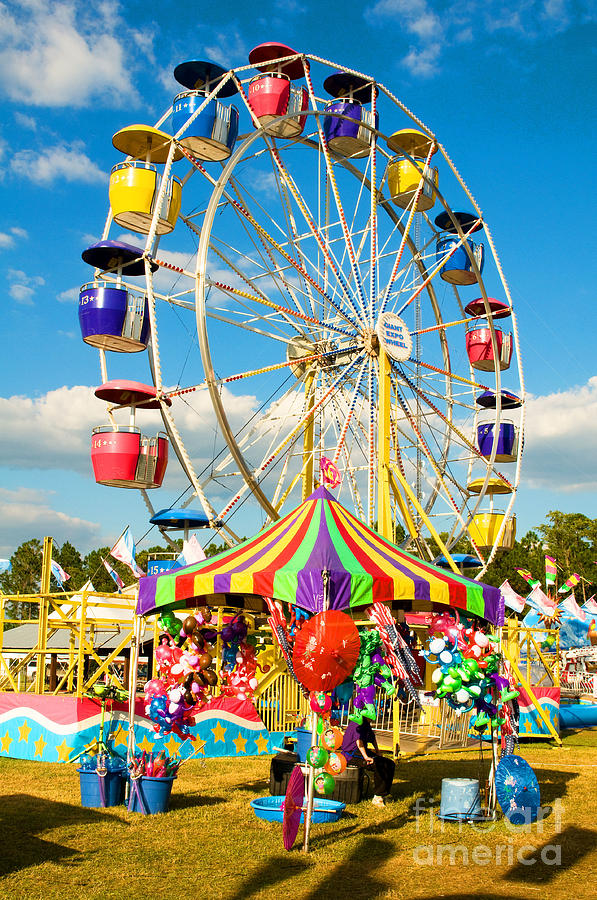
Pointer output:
x,y
316,233
339,207
432,462
396,266
439,266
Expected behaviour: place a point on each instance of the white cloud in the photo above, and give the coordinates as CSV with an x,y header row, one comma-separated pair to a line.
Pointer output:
x,y
226,47
432,29
22,287
70,295
26,513
66,53
424,62
53,431
561,440
49,432
25,121
8,238
65,161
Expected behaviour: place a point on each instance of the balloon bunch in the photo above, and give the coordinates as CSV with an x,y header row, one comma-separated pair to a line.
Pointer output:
x,y
105,761
239,660
325,756
466,676
371,671
185,673
233,635
241,681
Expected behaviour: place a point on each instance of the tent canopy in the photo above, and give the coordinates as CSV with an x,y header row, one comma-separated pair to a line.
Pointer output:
x,y
318,547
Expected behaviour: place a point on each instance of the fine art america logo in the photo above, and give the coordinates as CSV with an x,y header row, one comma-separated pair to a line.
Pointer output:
x,y
394,336
512,851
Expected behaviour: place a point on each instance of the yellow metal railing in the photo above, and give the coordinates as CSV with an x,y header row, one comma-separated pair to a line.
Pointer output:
x,y
68,615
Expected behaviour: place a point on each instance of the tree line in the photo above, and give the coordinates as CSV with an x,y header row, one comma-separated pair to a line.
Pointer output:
x,y
26,563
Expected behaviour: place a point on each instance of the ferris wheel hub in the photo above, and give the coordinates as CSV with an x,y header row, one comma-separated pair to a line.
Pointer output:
x,y
371,342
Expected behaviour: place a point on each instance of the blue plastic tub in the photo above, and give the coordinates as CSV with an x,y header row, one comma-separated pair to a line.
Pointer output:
x,y
155,795
272,809
91,793
303,743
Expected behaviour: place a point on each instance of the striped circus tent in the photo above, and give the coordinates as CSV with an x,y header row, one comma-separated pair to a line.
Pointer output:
x,y
319,547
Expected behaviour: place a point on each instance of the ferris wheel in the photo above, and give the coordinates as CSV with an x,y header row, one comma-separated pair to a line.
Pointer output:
x,y
307,258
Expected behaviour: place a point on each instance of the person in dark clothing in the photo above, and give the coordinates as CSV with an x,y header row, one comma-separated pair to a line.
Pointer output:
x,y
355,747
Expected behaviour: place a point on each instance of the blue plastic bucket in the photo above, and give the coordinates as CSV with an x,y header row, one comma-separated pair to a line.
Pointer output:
x,y
155,794
303,742
91,788
460,798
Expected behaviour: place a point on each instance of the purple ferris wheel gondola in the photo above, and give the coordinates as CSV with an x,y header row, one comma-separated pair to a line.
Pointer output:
x,y
110,316
347,125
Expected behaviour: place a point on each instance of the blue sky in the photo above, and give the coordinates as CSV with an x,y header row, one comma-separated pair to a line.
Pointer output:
x,y
509,91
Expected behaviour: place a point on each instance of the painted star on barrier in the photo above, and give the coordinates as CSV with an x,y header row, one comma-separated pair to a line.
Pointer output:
x,y
24,732
145,744
261,743
219,732
172,745
63,751
240,743
40,745
120,737
5,743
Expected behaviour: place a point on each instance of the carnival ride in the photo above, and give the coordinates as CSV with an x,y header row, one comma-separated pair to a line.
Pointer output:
x,y
322,291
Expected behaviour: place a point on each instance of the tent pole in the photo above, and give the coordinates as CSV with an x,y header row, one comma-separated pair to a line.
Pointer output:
x,y
310,787
134,660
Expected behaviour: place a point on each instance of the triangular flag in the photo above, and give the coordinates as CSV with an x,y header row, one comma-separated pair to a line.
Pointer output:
x,y
511,598
590,606
524,573
192,552
541,602
569,583
58,572
114,575
124,550
571,606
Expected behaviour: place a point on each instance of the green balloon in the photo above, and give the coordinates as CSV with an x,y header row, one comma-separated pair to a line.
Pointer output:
x,y
324,783
317,756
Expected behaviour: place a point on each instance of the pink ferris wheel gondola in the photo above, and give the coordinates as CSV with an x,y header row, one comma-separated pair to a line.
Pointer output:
x,y
121,456
272,94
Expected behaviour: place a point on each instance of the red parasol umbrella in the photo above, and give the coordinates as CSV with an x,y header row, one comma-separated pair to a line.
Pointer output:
x,y
326,650
293,807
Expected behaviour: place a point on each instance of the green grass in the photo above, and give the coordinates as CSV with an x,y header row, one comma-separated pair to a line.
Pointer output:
x,y
211,845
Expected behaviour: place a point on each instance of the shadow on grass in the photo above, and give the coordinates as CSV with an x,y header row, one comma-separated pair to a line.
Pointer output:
x,y
482,895
358,873
189,801
277,870
22,816
257,786
562,851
